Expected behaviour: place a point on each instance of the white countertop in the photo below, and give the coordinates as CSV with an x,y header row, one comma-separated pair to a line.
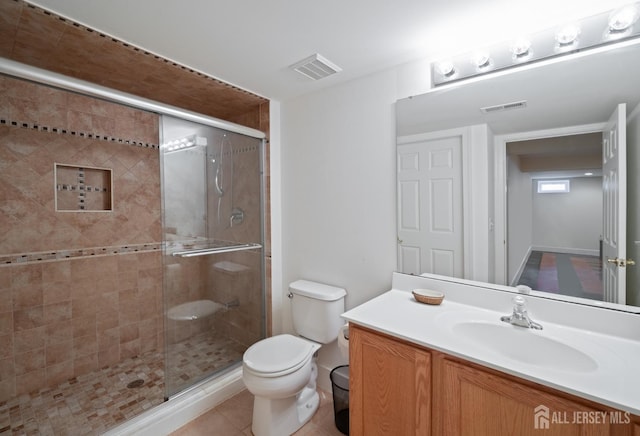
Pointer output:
x,y
613,379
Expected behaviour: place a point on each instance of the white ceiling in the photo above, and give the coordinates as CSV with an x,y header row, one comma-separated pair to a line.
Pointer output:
x,y
251,43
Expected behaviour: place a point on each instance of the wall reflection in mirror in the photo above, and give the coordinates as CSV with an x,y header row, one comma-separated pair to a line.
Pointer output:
x,y
471,159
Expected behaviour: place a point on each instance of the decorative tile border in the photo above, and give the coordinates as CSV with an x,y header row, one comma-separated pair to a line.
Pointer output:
x,y
51,256
89,135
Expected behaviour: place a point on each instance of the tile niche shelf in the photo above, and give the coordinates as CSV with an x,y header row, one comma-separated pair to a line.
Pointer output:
x,y
83,189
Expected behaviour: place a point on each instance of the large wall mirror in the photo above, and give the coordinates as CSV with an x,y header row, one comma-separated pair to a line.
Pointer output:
x,y
514,178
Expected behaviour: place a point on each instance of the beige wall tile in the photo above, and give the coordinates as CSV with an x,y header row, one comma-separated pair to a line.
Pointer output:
x,y
30,382
85,345
58,332
27,296
6,346
85,364
28,340
56,292
58,373
26,319
59,353
29,361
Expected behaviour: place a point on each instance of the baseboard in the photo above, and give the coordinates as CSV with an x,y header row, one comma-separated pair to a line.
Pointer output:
x,y
521,268
323,382
563,250
178,411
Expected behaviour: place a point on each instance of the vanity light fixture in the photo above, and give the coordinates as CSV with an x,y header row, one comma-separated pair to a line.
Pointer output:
x,y
588,33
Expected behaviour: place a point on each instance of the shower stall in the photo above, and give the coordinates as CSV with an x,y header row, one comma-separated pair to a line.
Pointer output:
x,y
132,268
213,257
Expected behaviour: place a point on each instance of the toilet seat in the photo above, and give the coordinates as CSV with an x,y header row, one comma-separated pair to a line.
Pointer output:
x,y
278,355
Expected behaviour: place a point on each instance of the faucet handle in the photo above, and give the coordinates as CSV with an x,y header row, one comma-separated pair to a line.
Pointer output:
x,y
523,289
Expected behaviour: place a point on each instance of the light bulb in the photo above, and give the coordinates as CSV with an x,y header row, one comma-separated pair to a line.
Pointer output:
x,y
445,68
481,60
521,48
622,19
567,35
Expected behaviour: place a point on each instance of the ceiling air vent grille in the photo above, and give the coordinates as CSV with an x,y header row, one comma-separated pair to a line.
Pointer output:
x,y
316,67
504,107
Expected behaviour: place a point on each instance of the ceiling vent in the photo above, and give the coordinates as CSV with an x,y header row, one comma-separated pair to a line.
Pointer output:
x,y
316,67
504,107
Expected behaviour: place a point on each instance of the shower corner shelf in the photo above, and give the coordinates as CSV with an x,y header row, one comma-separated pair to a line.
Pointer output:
x,y
216,250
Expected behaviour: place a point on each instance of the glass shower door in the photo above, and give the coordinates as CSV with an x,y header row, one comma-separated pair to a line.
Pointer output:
x,y
213,256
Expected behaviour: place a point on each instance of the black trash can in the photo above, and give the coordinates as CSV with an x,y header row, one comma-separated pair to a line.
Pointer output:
x,y
340,386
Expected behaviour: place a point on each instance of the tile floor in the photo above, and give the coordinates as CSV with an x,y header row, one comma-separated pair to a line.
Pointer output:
x,y
233,418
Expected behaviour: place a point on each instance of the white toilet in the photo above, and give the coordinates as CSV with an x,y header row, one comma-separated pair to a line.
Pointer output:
x,y
281,371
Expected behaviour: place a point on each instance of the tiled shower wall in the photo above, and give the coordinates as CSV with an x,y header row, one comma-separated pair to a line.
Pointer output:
x,y
78,290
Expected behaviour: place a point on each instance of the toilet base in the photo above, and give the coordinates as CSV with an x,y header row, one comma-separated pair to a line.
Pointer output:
x,y
277,417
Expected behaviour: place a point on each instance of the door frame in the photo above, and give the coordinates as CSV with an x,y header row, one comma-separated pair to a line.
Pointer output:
x,y
500,185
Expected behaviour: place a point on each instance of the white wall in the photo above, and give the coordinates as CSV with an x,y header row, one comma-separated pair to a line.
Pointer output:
x,y
570,221
519,216
633,206
480,201
333,182
338,184
338,187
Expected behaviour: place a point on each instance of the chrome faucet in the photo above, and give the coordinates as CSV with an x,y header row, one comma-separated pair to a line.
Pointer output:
x,y
520,317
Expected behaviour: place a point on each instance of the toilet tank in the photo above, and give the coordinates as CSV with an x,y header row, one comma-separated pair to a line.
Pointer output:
x,y
316,310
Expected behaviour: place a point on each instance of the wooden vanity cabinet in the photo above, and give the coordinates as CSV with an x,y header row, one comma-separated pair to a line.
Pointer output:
x,y
398,388
471,400
389,386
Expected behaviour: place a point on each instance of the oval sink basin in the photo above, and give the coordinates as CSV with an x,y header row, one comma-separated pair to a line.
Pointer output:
x,y
524,345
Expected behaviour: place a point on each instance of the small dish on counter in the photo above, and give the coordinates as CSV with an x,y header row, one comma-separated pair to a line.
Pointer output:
x,y
427,296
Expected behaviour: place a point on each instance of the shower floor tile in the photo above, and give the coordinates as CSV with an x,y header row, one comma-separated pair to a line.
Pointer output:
x,y
93,403
194,359
89,404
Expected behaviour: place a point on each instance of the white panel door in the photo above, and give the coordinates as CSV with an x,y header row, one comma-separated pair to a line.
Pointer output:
x,y
614,187
430,232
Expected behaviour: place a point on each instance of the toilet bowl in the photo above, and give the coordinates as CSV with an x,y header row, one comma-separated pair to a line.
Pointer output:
x,y
281,371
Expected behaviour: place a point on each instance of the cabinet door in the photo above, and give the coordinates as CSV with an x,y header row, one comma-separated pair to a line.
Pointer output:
x,y
390,390
473,402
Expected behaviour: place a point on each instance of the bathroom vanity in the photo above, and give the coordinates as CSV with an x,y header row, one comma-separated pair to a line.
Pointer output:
x,y
456,369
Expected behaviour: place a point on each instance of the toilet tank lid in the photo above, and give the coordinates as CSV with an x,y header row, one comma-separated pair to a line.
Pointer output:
x,y
316,290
